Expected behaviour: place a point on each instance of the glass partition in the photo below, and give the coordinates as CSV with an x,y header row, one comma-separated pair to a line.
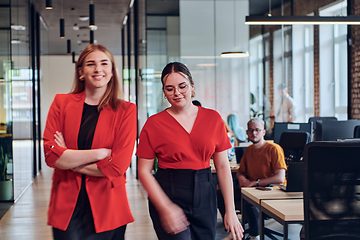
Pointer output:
x,y
21,96
6,157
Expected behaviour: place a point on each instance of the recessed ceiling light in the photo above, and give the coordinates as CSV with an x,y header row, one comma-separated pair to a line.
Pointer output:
x,y
76,28
16,41
84,18
18,27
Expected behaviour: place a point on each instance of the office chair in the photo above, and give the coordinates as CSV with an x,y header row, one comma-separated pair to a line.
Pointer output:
x,y
357,131
239,152
332,191
293,144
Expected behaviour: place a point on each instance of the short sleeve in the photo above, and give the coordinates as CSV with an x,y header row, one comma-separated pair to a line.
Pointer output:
x,y
144,149
278,158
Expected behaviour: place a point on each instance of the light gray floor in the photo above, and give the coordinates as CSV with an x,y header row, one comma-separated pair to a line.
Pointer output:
x,y
293,229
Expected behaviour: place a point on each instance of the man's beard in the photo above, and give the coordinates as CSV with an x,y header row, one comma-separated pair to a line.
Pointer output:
x,y
255,142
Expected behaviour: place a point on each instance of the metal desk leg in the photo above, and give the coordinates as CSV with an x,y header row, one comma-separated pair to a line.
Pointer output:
x,y
242,214
285,230
261,225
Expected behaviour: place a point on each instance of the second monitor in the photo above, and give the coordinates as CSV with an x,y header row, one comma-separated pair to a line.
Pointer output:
x,y
280,127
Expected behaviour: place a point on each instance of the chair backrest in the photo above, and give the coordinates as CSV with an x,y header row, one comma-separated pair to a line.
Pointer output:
x,y
332,190
357,131
239,152
293,144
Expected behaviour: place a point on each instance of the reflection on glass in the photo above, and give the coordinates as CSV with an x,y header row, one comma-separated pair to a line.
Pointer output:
x,y
6,157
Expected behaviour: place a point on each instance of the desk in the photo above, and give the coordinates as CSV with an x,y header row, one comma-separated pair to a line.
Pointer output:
x,y
256,198
284,211
233,166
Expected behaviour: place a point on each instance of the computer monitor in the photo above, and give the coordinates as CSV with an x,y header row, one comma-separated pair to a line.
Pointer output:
x,y
280,127
317,121
333,130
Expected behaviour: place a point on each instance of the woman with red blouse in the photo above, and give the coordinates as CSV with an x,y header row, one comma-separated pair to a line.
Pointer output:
x,y
183,137
89,139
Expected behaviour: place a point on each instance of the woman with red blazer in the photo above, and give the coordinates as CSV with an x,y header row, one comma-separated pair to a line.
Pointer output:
x,y
89,141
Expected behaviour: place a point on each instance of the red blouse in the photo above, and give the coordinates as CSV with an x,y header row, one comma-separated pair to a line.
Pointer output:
x,y
162,136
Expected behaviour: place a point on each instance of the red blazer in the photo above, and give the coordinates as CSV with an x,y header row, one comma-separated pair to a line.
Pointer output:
x,y
107,195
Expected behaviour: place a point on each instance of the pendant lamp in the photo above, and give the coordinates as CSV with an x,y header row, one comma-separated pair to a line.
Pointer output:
x,y
48,4
91,14
234,54
62,23
68,46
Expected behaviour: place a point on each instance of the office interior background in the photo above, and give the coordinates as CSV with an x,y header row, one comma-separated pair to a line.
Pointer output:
x,y
319,63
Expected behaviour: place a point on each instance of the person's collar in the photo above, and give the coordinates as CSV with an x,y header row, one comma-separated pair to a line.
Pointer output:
x,y
259,144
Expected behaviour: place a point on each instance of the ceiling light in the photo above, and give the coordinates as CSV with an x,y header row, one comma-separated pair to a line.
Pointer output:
x,y
16,41
91,37
62,28
305,20
18,27
206,64
73,57
92,14
234,54
131,4
83,18
62,22
68,46
125,20
93,28
48,4
76,28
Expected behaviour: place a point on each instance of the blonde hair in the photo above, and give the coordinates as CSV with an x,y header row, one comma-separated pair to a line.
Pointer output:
x,y
256,120
114,94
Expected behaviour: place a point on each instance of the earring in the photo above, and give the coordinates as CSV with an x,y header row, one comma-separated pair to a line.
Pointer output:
x,y
164,97
81,78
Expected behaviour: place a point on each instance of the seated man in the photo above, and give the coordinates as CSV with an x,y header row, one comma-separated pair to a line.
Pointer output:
x,y
263,163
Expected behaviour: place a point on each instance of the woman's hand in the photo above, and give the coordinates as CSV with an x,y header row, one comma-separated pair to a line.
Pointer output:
x,y
59,139
173,219
233,225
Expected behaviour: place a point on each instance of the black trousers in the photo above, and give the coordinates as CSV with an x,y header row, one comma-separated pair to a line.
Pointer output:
x,y
195,192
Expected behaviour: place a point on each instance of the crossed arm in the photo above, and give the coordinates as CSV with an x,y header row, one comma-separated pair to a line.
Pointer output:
x,y
81,161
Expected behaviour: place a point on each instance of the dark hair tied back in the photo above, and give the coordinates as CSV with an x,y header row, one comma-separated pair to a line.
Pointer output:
x,y
176,67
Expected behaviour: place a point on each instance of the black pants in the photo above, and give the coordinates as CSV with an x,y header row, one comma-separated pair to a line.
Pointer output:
x,y
195,192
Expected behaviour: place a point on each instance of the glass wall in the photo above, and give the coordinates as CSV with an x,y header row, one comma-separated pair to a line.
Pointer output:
x,y
22,96
221,84
333,55
20,148
6,157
